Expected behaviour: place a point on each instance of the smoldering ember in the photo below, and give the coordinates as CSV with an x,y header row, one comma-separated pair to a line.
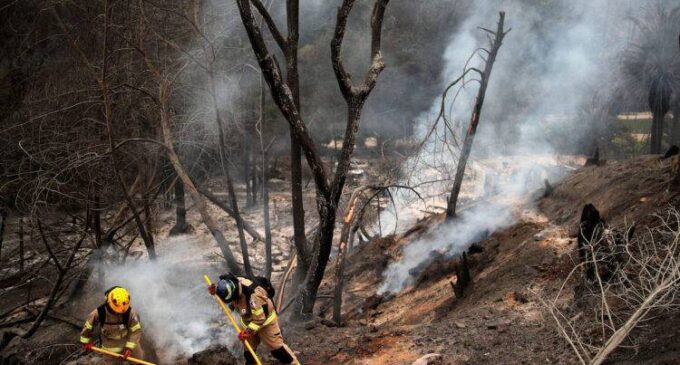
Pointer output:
x,y
207,182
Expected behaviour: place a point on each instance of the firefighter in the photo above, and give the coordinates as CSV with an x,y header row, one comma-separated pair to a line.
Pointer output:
x,y
120,329
252,299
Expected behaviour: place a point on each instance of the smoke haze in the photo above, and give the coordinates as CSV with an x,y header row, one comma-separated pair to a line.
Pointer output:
x,y
176,311
555,60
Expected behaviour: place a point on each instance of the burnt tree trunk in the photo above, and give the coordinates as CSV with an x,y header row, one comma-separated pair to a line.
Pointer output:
x,y
227,174
591,227
97,221
3,224
463,277
342,253
293,81
659,104
675,127
21,244
180,210
107,112
265,188
163,95
496,42
327,193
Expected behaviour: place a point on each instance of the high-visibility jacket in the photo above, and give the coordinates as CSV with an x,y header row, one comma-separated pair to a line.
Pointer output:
x,y
115,335
258,311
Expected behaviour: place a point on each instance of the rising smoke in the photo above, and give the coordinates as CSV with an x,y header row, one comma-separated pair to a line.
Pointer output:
x,y
558,56
176,311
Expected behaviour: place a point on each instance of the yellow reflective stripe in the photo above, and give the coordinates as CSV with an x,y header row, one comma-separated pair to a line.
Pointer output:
x,y
136,327
254,326
130,345
113,349
257,312
84,339
270,319
88,325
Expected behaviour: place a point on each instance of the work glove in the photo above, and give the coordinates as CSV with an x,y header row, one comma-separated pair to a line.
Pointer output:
x,y
245,335
212,289
126,353
87,347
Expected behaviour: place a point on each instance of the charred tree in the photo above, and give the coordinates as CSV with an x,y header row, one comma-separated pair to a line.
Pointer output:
x,y
496,40
63,269
3,224
21,244
164,90
265,186
591,228
342,252
101,76
595,159
670,152
659,103
463,278
180,226
328,192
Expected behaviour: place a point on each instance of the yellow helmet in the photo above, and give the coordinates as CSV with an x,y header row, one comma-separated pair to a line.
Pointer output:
x,y
118,299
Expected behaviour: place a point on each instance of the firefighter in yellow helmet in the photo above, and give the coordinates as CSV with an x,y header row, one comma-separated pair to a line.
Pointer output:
x,y
252,299
120,329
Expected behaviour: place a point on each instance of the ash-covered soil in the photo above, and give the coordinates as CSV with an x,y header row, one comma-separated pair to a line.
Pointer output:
x,y
499,320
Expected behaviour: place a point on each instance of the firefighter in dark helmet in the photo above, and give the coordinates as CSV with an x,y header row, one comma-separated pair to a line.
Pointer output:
x,y
252,299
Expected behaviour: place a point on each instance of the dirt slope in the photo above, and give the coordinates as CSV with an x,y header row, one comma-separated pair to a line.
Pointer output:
x,y
500,320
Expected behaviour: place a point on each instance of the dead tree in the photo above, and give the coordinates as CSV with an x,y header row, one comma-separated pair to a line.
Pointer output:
x,y
62,270
591,228
342,251
328,192
164,90
495,42
21,244
289,47
644,285
265,185
595,159
3,224
101,78
207,65
463,277
181,225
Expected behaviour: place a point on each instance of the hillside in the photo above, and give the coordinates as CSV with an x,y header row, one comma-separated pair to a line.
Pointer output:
x,y
500,319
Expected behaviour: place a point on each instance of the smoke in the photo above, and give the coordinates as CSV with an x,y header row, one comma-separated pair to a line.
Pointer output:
x,y
451,237
557,58
177,313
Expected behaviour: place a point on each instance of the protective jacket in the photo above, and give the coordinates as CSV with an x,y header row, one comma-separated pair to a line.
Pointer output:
x,y
258,314
116,334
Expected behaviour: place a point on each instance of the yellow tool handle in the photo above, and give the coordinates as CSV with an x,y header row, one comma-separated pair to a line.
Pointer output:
x,y
115,354
233,322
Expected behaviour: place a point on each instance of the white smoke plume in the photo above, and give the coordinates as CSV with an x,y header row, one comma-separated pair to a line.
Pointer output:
x,y
177,313
556,57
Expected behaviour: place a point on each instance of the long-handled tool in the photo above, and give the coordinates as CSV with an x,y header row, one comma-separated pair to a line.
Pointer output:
x,y
115,354
233,322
